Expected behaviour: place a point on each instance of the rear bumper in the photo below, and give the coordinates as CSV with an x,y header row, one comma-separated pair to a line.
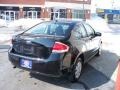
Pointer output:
x,y
41,66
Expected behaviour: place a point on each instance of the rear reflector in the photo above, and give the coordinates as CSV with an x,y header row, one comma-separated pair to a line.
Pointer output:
x,y
60,47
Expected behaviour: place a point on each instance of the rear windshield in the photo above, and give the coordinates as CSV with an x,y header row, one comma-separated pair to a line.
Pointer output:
x,y
51,28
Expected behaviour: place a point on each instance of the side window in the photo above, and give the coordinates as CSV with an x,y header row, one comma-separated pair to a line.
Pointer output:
x,y
77,32
89,30
80,32
83,31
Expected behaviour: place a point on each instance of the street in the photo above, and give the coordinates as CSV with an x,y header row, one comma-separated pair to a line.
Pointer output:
x,y
98,73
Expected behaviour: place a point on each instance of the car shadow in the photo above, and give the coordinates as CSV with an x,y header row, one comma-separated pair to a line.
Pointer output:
x,y
91,76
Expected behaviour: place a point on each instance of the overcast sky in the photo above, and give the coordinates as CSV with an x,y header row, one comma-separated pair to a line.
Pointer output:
x,y
115,4
105,4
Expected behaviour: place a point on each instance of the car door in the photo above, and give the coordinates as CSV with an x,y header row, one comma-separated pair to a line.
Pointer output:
x,y
94,41
80,40
86,40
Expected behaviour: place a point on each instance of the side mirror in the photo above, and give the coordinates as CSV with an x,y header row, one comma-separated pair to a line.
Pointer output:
x,y
98,34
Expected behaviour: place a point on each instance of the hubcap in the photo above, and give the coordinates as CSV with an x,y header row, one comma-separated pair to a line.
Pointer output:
x,y
78,70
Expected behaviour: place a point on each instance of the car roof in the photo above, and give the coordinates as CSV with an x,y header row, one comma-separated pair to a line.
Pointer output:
x,y
72,21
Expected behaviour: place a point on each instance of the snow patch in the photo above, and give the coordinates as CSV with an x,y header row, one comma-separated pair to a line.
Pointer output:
x,y
99,24
3,23
4,37
24,23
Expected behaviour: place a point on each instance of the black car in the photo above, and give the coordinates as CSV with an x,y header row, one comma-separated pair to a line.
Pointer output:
x,y
53,47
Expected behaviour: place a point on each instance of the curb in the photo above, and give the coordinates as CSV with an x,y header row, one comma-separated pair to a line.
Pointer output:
x,y
117,86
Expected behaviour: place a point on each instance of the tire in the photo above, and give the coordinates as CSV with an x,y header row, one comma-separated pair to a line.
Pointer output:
x,y
76,71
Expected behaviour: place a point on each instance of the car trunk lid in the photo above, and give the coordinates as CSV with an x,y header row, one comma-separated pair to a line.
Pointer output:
x,y
39,47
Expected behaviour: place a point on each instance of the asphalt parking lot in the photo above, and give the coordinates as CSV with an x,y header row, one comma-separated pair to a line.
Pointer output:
x,y
91,78
99,73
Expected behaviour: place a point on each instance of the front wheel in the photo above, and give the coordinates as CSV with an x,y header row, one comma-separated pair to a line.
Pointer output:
x,y
76,71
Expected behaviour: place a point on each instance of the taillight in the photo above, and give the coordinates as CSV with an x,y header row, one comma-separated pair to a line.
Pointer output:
x,y
60,47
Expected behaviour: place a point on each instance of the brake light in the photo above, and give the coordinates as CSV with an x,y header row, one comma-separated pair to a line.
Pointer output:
x,y
60,47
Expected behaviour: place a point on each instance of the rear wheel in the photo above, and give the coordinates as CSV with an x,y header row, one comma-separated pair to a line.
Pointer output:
x,y
76,71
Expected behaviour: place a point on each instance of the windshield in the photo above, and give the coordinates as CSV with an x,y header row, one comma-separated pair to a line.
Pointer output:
x,y
51,28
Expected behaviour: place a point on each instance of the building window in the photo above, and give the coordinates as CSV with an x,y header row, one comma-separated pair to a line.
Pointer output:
x,y
9,15
2,15
78,14
63,13
17,15
31,14
58,13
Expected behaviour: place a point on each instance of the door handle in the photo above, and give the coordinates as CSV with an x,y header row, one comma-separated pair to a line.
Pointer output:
x,y
86,40
91,38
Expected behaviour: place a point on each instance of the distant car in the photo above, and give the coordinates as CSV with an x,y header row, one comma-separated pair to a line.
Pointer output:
x,y
53,47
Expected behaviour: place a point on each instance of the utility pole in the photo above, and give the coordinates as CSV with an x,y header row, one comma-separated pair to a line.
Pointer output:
x,y
113,4
84,11
83,7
